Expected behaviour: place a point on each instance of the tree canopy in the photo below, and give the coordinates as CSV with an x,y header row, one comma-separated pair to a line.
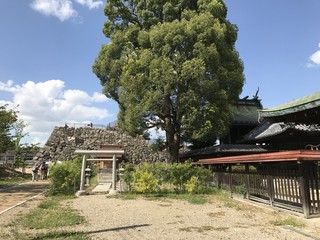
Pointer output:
x,y
171,65
7,120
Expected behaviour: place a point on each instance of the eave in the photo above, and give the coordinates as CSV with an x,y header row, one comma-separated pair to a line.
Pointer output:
x,y
284,156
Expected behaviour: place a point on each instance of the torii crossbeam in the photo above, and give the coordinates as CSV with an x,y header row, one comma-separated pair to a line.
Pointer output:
x,y
87,153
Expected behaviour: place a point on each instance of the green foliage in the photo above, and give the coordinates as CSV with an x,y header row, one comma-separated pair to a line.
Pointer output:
x,y
171,65
128,174
65,177
49,216
9,177
240,189
155,177
192,184
180,173
144,180
7,120
158,145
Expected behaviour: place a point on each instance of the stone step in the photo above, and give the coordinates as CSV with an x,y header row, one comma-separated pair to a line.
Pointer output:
x,y
102,188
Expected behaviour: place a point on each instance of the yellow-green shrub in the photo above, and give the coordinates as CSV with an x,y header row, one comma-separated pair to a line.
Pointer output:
x,y
192,184
145,181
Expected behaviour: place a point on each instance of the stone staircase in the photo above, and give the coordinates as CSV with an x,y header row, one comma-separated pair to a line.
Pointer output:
x,y
105,182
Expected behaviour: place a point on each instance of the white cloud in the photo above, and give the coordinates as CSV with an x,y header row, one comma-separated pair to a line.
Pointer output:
x,y
90,3
314,59
6,86
62,9
46,104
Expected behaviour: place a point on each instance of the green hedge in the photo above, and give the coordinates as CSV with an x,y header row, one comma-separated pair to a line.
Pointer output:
x,y
156,177
65,177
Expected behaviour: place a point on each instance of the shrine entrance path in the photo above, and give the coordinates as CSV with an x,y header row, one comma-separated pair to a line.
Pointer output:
x,y
18,194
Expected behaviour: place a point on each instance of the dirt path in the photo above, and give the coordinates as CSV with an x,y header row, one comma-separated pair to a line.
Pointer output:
x,y
11,196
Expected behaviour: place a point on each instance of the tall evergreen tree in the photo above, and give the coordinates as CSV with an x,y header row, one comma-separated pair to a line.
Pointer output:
x,y
171,64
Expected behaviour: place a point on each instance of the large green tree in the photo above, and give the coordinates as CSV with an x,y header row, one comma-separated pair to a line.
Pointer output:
x,y
7,120
171,65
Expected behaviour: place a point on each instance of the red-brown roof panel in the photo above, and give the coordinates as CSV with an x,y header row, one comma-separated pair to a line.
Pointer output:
x,y
295,155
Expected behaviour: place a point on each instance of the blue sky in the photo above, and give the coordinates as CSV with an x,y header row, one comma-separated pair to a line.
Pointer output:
x,y
47,48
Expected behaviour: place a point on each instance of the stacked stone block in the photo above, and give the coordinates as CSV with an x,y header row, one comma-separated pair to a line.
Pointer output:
x,y
65,140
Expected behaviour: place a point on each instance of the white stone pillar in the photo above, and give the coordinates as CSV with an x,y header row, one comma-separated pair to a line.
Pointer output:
x,y
83,175
114,173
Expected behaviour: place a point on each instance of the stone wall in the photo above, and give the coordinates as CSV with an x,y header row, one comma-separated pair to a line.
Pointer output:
x,y
65,140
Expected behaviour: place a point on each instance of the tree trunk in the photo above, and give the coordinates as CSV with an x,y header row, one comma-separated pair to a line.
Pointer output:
x,y
173,144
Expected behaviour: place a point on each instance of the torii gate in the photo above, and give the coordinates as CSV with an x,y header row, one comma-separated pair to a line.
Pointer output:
x,y
87,153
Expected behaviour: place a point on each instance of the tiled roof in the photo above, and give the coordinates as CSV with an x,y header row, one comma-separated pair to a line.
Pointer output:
x,y
301,104
224,148
268,129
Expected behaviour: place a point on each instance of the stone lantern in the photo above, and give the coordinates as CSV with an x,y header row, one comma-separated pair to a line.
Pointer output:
x,y
88,173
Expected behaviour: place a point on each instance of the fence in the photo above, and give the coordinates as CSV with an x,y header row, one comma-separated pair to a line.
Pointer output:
x,y
294,186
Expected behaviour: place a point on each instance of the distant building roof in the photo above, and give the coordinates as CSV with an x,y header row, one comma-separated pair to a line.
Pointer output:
x,y
246,111
269,129
301,104
223,150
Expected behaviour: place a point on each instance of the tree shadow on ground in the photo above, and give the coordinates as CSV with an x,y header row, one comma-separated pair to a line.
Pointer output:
x,y
82,235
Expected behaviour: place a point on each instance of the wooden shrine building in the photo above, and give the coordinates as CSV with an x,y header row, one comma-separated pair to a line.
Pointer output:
x,y
284,169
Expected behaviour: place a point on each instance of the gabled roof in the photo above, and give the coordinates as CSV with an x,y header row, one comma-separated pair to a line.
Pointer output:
x,y
285,156
246,111
226,149
269,129
301,104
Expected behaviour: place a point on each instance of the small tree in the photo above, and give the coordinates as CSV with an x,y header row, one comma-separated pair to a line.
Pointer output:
x,y
144,179
7,119
65,177
180,173
21,150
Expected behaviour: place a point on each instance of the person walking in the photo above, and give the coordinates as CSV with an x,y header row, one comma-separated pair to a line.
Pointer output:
x,y
43,171
35,170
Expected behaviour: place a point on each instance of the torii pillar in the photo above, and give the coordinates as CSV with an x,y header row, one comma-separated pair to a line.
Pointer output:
x,y
85,154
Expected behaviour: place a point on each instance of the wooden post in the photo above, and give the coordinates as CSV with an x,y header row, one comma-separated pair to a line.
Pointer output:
x,y
305,192
230,179
247,180
270,184
114,172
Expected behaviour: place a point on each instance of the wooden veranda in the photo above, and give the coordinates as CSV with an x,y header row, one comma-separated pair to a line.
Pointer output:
x,y
288,179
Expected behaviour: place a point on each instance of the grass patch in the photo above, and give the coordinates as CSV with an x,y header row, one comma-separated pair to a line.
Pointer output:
x,y
48,217
289,221
191,198
9,177
50,214
215,194
224,197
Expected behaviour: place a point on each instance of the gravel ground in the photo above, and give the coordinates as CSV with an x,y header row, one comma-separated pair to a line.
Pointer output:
x,y
115,219
111,218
